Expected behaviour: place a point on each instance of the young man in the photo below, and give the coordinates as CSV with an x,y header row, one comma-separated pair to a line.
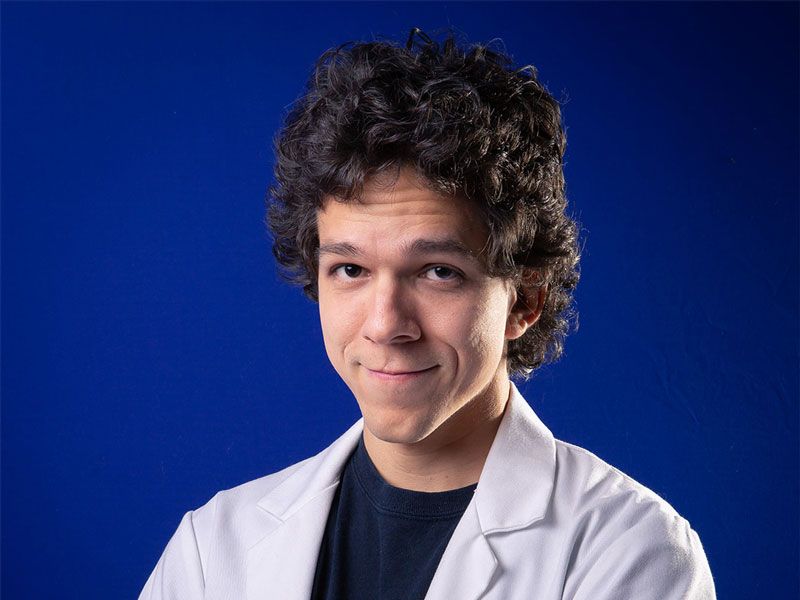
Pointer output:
x,y
420,200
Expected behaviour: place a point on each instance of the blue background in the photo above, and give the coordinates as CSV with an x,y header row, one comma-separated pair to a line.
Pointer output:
x,y
151,357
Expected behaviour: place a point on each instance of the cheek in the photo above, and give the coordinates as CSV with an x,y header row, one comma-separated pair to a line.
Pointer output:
x,y
339,325
326,321
481,329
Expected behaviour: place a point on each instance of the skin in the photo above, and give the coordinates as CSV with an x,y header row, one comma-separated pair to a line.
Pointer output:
x,y
417,329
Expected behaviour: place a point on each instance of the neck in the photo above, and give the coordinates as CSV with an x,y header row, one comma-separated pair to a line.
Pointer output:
x,y
453,455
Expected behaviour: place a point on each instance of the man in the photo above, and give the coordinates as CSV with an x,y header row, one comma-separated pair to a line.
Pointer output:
x,y
420,200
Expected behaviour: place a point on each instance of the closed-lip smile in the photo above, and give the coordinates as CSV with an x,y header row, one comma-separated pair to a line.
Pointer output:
x,y
399,374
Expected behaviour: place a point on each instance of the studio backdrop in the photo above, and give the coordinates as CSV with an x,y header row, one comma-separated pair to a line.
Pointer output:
x,y
151,356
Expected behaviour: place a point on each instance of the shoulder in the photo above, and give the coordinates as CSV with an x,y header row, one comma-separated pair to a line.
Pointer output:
x,y
223,528
624,536
230,513
246,494
602,500
586,482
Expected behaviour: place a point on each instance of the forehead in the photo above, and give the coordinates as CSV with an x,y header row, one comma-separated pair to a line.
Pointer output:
x,y
395,210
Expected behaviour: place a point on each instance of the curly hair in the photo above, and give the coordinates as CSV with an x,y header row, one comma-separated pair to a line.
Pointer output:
x,y
470,124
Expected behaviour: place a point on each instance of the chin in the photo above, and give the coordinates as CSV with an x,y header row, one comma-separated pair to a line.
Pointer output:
x,y
397,430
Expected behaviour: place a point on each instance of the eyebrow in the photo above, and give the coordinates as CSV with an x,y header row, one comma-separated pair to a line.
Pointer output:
x,y
417,247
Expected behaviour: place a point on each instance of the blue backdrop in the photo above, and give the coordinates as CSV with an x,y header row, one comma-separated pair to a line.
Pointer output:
x,y
151,357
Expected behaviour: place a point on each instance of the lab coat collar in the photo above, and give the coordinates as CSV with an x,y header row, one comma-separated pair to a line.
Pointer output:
x,y
314,475
283,562
513,491
517,480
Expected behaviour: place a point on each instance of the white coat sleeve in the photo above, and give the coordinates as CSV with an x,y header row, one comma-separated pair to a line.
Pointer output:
x,y
179,572
656,560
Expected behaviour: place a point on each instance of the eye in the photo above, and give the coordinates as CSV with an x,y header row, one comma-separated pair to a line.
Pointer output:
x,y
442,273
348,271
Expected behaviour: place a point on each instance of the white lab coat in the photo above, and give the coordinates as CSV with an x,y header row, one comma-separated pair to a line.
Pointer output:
x,y
548,521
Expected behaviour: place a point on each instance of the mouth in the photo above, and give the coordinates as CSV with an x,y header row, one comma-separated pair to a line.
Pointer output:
x,y
399,375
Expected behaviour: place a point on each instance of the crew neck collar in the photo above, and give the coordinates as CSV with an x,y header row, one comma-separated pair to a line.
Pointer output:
x,y
410,503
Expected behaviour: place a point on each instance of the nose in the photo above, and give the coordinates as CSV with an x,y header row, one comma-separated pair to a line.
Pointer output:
x,y
390,314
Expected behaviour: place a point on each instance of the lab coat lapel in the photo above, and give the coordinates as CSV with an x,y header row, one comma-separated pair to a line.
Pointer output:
x,y
282,563
468,563
514,492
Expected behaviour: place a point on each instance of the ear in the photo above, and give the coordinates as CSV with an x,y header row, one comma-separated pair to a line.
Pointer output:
x,y
529,297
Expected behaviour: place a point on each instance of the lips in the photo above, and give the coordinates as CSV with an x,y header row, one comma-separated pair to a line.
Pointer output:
x,y
399,375
399,371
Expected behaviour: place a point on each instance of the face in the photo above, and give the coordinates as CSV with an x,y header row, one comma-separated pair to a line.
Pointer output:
x,y
411,320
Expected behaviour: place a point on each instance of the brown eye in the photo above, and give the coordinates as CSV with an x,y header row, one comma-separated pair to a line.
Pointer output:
x,y
442,273
349,271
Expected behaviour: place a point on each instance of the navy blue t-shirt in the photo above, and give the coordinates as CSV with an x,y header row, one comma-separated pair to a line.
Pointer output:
x,y
383,542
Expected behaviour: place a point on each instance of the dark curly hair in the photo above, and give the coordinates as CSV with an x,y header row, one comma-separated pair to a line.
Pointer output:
x,y
471,125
